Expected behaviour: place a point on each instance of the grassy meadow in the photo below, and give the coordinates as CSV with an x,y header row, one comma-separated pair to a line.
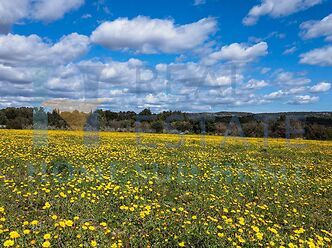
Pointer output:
x,y
162,190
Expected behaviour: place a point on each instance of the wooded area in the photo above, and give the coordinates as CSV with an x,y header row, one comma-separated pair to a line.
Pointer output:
x,y
314,125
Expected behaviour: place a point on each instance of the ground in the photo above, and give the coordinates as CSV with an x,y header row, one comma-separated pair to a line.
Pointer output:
x,y
69,189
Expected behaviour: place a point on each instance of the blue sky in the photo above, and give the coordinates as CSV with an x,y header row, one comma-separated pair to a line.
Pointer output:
x,y
190,55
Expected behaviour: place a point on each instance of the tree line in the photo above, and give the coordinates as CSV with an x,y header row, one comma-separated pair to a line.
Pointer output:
x,y
307,125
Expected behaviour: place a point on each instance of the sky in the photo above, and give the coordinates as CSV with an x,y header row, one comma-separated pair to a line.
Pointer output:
x,y
188,55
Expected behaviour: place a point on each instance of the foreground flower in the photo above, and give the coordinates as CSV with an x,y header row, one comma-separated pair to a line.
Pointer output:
x,y
93,243
46,244
8,243
14,235
182,244
47,236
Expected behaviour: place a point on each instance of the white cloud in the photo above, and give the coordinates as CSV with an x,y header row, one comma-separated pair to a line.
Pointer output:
x,y
320,56
50,10
32,50
265,70
285,78
282,93
277,8
86,16
289,51
12,11
255,84
320,87
305,99
275,95
197,75
238,53
145,35
297,90
312,29
14,75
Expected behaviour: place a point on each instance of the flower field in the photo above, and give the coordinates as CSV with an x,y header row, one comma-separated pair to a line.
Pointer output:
x,y
149,190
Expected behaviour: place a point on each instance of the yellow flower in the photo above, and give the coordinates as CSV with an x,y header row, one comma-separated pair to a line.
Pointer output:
x,y
103,224
8,243
273,230
259,235
241,240
194,217
47,236
182,244
34,222
47,205
14,235
241,221
26,231
299,231
54,217
63,195
221,235
46,244
93,243
291,245
69,223
62,224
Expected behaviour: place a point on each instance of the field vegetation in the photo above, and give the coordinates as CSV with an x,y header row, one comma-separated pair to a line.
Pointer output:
x,y
160,190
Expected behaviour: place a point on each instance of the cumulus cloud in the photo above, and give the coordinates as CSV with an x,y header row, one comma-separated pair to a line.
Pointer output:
x,y
32,50
313,29
305,99
11,11
50,10
277,8
320,56
46,10
15,75
236,52
320,87
285,78
145,35
195,74
254,84
190,86
288,92
275,95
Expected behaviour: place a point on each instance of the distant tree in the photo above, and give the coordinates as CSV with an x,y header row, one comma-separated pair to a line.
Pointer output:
x,y
17,123
316,125
146,112
3,119
157,126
